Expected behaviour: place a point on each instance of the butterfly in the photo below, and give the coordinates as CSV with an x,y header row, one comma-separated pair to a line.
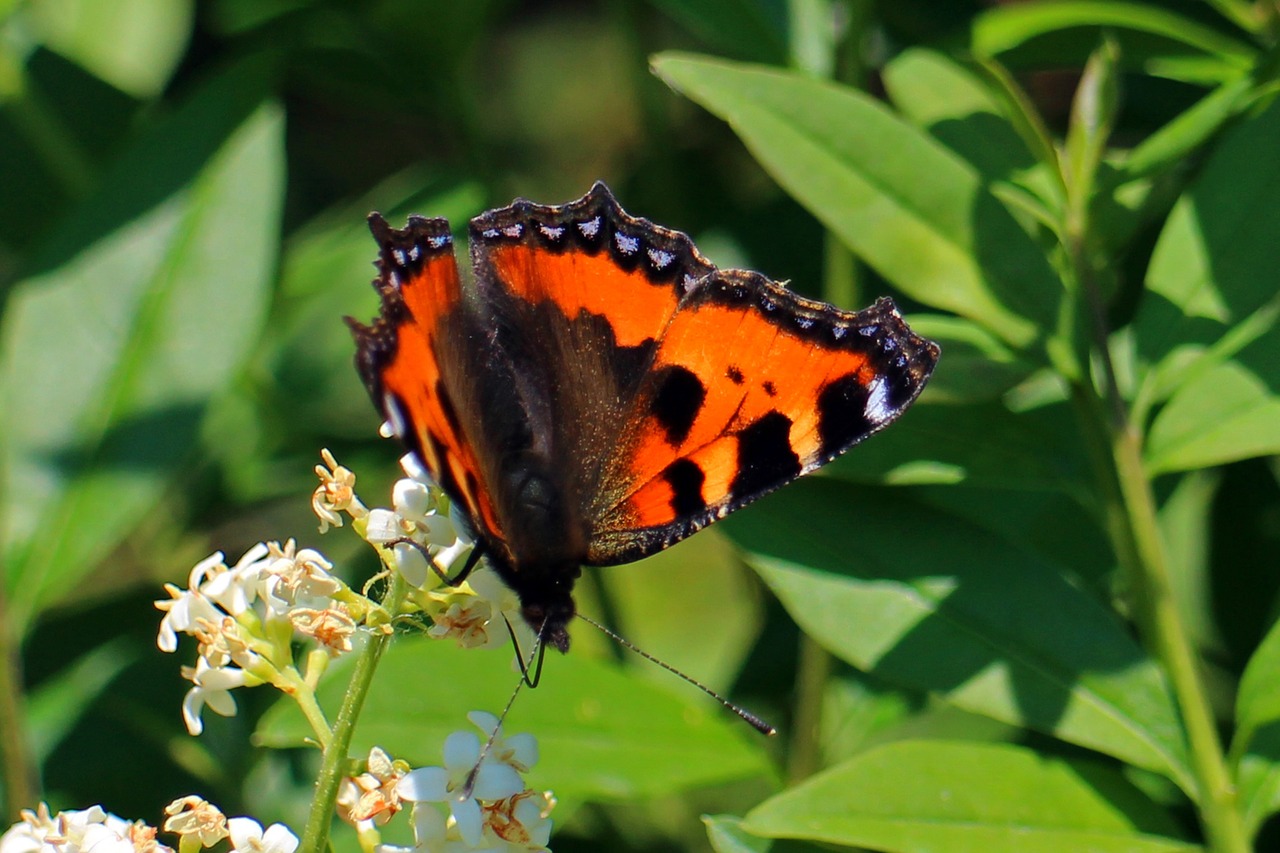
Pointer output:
x,y
599,390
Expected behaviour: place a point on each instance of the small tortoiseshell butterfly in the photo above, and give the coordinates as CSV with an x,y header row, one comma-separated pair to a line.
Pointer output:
x,y
601,391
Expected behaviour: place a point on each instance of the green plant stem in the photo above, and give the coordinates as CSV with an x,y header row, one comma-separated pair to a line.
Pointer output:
x,y
333,766
19,779
812,671
1168,638
1134,527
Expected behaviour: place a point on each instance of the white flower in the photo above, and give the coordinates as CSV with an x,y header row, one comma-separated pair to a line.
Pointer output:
x,y
522,821
90,830
373,795
335,494
235,589
195,816
186,607
520,752
332,627
492,781
298,578
247,836
213,687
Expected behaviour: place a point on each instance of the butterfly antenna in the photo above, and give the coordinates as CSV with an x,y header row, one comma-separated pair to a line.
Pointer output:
x,y
540,648
746,716
468,787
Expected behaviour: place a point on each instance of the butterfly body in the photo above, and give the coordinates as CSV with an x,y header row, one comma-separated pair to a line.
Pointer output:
x,y
601,391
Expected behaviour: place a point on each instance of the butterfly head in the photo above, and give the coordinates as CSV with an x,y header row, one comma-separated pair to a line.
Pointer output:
x,y
549,619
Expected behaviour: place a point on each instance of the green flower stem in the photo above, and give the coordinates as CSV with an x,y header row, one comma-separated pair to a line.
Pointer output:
x,y
813,669
1168,638
1133,524
333,766
303,692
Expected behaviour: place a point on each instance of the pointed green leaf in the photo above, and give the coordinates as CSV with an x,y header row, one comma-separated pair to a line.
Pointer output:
x,y
960,797
963,614
727,836
961,111
1005,28
1228,412
132,44
603,734
1211,282
111,348
858,168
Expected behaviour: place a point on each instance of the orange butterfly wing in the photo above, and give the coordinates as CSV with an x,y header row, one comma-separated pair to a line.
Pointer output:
x,y
410,358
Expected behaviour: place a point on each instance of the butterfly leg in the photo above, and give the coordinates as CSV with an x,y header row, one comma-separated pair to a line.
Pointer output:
x,y
472,559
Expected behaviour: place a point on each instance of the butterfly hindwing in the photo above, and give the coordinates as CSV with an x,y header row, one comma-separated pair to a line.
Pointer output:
x,y
715,427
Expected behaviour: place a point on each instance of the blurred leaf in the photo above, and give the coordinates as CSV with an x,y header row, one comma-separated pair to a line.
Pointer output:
x,y
978,366
960,110
1228,412
134,45
1186,524
603,734
981,444
939,795
1007,27
1058,527
57,703
1257,774
1093,115
1214,265
946,242
685,629
744,29
727,836
963,614
108,352
1258,701
1168,146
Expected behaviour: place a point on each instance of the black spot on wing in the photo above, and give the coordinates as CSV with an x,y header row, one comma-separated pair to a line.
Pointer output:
x,y
842,414
686,479
770,388
678,401
734,374
765,457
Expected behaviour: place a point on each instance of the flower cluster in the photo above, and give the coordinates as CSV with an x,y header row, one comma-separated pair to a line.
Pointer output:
x,y
477,801
245,617
94,830
249,618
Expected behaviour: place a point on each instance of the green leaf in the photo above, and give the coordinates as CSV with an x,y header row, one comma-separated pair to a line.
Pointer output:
x,y
1005,28
57,703
1258,776
1185,522
946,241
961,111
1258,701
603,734
978,366
134,45
726,835
1228,412
742,28
138,312
958,797
981,444
960,613
1210,287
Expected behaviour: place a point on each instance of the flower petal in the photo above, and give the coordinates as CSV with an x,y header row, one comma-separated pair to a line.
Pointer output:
x,y
424,785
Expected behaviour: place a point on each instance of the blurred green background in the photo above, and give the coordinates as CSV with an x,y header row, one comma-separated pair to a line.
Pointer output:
x,y
183,188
